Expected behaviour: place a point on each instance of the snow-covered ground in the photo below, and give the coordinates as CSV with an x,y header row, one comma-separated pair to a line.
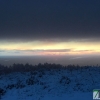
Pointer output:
x,y
54,84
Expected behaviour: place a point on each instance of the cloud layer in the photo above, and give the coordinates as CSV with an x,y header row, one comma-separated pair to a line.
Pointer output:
x,y
54,19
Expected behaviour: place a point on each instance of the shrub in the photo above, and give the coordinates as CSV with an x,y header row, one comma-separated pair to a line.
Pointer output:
x,y
65,80
2,91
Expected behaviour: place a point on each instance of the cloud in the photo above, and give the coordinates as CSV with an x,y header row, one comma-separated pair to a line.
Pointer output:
x,y
84,50
49,50
2,51
35,52
54,19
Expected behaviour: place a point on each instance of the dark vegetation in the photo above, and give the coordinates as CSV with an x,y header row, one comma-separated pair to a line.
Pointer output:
x,y
82,76
29,68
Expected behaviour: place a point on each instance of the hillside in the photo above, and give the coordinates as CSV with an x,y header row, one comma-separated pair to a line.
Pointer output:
x,y
55,83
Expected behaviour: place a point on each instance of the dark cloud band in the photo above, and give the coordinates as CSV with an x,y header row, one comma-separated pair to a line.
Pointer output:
x,y
32,20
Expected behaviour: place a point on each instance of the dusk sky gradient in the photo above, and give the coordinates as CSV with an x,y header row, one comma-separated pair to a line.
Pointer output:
x,y
49,27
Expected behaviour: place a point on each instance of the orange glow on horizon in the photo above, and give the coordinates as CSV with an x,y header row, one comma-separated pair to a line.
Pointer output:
x,y
42,48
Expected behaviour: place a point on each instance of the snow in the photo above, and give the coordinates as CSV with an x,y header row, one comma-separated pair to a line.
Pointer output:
x,y
55,84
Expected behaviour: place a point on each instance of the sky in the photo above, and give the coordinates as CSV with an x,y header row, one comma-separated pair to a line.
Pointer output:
x,y
49,27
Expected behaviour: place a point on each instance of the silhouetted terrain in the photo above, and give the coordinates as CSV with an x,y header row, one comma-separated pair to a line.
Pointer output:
x,y
48,81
